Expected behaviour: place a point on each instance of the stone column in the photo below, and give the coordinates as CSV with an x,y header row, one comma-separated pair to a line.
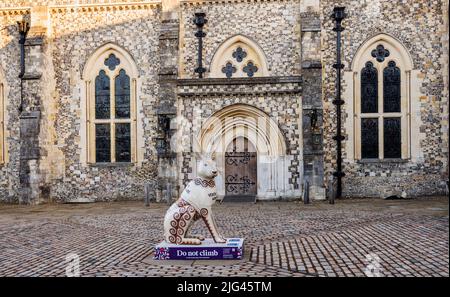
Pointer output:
x,y
312,98
30,115
167,187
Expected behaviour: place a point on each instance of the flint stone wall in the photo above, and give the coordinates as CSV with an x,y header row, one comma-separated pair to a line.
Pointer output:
x,y
280,101
419,26
76,36
273,25
10,67
297,39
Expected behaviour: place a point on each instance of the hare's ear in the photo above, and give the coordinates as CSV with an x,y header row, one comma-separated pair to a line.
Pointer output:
x,y
196,148
198,155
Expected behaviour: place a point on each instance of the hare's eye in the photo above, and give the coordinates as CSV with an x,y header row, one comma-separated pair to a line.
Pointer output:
x,y
205,165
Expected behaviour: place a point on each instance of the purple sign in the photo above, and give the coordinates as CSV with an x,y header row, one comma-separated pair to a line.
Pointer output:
x,y
233,249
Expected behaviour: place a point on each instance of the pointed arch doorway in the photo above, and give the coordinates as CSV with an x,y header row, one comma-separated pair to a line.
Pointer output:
x,y
240,171
263,138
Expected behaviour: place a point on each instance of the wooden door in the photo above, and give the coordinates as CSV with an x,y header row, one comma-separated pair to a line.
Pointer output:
x,y
240,171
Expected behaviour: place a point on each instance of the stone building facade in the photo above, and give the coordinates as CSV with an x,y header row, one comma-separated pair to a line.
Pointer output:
x,y
121,97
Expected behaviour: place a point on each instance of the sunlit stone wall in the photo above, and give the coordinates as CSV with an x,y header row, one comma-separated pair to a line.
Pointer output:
x,y
419,26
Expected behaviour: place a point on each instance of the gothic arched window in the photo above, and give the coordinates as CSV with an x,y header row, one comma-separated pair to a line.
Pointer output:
x,y
238,57
382,100
112,108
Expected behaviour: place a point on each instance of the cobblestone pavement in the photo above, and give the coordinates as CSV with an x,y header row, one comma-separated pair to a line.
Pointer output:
x,y
398,238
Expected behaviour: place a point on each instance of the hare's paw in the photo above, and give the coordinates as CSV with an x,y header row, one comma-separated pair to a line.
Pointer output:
x,y
200,237
193,241
220,239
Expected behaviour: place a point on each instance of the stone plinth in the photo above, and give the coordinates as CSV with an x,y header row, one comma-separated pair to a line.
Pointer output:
x,y
233,249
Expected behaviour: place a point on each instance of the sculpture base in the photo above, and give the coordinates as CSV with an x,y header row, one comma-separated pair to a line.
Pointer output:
x,y
233,249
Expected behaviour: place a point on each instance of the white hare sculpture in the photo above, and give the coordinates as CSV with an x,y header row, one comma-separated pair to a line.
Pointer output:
x,y
195,203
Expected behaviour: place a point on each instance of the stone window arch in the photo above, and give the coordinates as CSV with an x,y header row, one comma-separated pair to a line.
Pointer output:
x,y
238,56
382,73
110,78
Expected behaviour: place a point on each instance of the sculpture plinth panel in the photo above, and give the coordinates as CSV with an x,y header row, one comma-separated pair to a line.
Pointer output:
x,y
194,204
232,249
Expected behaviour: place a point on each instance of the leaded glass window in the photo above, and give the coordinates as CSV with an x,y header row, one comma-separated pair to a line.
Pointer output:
x,y
239,54
122,95
392,138
112,62
123,143
102,96
102,143
250,69
369,89
229,69
391,88
369,138
111,111
380,53
381,135
237,60
381,89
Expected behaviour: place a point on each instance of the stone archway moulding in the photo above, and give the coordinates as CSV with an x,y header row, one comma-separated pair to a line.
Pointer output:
x,y
90,67
407,61
240,120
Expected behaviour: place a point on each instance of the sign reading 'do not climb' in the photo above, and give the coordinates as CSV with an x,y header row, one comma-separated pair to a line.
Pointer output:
x,y
233,249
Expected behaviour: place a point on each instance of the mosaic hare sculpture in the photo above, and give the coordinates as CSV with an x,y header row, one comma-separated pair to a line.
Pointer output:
x,y
194,204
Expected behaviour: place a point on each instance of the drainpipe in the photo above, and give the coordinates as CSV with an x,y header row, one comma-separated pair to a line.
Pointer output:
x,y
200,21
24,27
338,15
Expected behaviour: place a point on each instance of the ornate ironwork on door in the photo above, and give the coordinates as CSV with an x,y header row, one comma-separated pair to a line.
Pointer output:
x,y
237,185
240,170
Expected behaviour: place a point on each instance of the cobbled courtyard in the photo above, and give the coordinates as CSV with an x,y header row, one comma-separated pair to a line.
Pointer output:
x,y
404,238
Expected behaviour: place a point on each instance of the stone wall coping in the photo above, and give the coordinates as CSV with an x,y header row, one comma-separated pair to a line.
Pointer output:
x,y
200,2
113,165
106,6
85,7
15,11
32,76
378,161
30,114
239,81
239,86
237,93
311,64
35,40
122,5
